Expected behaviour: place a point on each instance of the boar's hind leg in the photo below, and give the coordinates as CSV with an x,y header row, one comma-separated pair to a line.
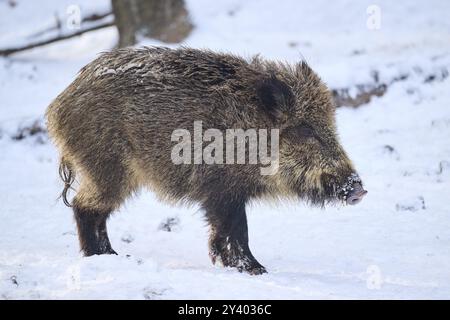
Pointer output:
x,y
105,190
228,242
92,232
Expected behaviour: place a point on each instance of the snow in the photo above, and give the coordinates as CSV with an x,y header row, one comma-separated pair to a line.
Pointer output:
x,y
394,244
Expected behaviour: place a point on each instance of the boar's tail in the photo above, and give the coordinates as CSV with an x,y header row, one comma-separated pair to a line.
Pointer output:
x,y
68,177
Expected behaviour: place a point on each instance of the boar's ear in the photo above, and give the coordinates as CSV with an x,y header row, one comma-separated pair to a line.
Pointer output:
x,y
274,96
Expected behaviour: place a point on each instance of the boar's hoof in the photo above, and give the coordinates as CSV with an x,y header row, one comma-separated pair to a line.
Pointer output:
x,y
234,256
109,251
98,249
255,270
105,247
88,253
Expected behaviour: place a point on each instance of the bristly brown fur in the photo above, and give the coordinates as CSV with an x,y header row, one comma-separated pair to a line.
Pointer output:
x,y
115,121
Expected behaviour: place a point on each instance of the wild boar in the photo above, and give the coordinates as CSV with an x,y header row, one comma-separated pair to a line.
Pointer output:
x,y
115,130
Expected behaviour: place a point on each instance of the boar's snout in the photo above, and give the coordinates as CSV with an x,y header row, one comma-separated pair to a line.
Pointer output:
x,y
356,194
352,190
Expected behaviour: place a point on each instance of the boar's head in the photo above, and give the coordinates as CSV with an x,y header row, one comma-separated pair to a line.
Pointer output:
x,y
312,163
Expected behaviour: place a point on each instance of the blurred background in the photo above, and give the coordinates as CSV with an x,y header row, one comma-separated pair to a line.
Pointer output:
x,y
387,64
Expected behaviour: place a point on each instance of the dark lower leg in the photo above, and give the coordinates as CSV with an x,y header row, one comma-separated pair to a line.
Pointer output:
x,y
228,240
92,231
103,241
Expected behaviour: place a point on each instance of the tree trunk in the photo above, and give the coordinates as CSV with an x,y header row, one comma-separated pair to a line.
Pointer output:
x,y
165,20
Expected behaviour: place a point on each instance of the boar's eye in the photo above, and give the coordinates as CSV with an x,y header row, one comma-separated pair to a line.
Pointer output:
x,y
304,131
300,132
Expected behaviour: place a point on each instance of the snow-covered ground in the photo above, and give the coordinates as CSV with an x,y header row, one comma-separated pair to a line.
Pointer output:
x,y
395,244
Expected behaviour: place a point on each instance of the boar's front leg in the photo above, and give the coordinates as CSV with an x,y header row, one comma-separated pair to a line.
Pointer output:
x,y
228,241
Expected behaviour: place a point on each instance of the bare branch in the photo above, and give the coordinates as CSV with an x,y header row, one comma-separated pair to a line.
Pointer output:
x,y
9,51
